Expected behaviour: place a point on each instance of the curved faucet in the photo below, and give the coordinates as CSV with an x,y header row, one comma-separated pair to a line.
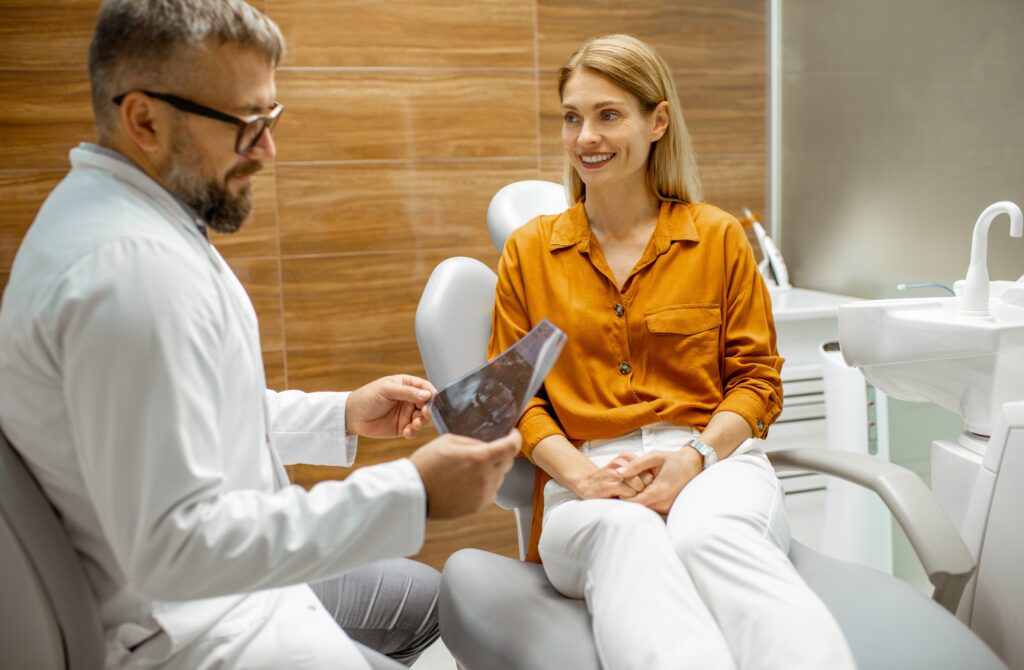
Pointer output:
x,y
976,286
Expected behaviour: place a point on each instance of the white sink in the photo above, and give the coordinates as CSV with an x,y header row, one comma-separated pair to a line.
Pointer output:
x,y
929,349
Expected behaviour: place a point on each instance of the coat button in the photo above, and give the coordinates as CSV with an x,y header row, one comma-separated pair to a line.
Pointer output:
x,y
625,368
619,309
760,424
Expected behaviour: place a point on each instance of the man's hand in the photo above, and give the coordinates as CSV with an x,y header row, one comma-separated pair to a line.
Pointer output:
x,y
672,471
462,475
389,407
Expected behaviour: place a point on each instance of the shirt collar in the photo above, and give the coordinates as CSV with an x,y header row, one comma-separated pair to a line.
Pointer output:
x,y
675,223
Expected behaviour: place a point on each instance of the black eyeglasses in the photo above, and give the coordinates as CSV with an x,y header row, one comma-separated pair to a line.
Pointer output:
x,y
250,130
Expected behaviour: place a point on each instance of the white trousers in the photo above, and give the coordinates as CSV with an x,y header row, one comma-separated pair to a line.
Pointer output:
x,y
710,587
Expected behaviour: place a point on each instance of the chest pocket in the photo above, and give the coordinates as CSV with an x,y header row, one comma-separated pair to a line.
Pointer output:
x,y
684,319
683,350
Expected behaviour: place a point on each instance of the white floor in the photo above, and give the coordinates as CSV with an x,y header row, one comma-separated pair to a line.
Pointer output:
x,y
436,657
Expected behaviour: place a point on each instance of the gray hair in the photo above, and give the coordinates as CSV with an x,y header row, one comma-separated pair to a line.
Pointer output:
x,y
142,44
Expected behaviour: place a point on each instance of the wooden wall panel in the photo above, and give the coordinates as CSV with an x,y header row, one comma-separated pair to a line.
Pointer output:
x,y
261,278
54,34
406,114
420,33
332,300
273,367
401,123
43,116
726,35
360,208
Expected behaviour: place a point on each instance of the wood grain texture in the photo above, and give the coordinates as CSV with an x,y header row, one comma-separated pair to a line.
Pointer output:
x,y
702,34
734,182
493,529
335,300
273,367
261,279
258,236
724,112
43,116
54,34
21,194
419,33
352,365
4,276
389,207
406,114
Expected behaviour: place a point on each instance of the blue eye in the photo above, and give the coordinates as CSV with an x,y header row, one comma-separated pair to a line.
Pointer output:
x,y
570,118
609,116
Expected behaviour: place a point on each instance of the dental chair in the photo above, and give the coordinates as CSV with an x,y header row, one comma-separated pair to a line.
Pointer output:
x,y
48,614
497,613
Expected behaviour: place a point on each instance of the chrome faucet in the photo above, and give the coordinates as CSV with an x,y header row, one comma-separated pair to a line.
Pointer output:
x,y
975,300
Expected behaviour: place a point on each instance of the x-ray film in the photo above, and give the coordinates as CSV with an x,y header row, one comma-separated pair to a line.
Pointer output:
x,y
487,402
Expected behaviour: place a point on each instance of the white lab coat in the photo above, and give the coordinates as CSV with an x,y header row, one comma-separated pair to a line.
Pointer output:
x,y
131,381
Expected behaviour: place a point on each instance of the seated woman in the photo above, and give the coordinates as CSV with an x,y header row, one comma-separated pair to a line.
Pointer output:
x,y
662,510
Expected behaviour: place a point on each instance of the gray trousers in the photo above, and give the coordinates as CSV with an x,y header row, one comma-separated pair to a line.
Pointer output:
x,y
388,608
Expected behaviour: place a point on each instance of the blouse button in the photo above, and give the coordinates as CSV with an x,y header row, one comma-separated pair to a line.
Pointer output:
x,y
619,309
625,368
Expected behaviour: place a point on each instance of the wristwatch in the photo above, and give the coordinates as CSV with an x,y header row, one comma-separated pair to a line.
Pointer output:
x,y
709,455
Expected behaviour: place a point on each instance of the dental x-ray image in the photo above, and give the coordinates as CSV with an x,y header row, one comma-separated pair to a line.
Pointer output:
x,y
487,402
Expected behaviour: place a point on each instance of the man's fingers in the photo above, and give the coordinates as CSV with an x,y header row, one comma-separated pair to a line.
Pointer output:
x,y
405,393
506,447
422,384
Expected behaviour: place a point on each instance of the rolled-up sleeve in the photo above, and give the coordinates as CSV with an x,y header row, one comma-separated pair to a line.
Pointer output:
x,y
751,363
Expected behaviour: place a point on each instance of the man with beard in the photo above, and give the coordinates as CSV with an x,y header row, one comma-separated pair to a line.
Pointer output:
x,y
131,383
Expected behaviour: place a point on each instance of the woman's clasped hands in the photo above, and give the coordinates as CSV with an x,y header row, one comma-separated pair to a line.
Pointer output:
x,y
653,480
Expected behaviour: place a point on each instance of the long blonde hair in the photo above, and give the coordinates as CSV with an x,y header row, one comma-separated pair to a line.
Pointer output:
x,y
635,67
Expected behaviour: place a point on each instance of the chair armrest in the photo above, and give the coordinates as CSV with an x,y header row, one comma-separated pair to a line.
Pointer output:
x,y
935,539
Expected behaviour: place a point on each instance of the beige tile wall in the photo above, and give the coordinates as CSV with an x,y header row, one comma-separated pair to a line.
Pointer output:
x,y
401,123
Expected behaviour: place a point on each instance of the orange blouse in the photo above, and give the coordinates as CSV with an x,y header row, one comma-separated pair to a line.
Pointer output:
x,y
690,334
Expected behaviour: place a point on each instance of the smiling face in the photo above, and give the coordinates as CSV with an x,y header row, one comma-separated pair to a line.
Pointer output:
x,y
606,132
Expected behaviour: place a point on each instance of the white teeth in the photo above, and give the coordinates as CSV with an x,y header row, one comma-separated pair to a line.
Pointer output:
x,y
595,159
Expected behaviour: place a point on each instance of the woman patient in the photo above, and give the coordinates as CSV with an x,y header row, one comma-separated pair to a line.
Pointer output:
x,y
660,508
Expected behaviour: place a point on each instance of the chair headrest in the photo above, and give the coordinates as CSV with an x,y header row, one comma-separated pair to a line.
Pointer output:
x,y
520,201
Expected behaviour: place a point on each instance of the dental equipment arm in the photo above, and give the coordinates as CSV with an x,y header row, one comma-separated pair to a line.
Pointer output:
x,y
770,252
936,541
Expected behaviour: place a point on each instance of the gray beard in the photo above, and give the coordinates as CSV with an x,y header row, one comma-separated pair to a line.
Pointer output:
x,y
223,212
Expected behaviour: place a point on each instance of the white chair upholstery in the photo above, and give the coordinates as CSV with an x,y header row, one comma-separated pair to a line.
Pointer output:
x,y
519,202
48,615
497,613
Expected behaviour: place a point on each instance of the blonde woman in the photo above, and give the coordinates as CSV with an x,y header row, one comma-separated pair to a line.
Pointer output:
x,y
659,507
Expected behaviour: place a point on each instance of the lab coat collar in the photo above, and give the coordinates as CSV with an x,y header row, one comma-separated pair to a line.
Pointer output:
x,y
93,156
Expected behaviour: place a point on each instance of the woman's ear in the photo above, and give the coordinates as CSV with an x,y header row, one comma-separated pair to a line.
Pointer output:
x,y
659,118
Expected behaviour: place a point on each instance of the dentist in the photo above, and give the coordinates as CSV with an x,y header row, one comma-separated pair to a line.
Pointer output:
x,y
132,384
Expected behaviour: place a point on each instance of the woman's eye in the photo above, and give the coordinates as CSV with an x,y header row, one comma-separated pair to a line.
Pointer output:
x,y
570,118
609,116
